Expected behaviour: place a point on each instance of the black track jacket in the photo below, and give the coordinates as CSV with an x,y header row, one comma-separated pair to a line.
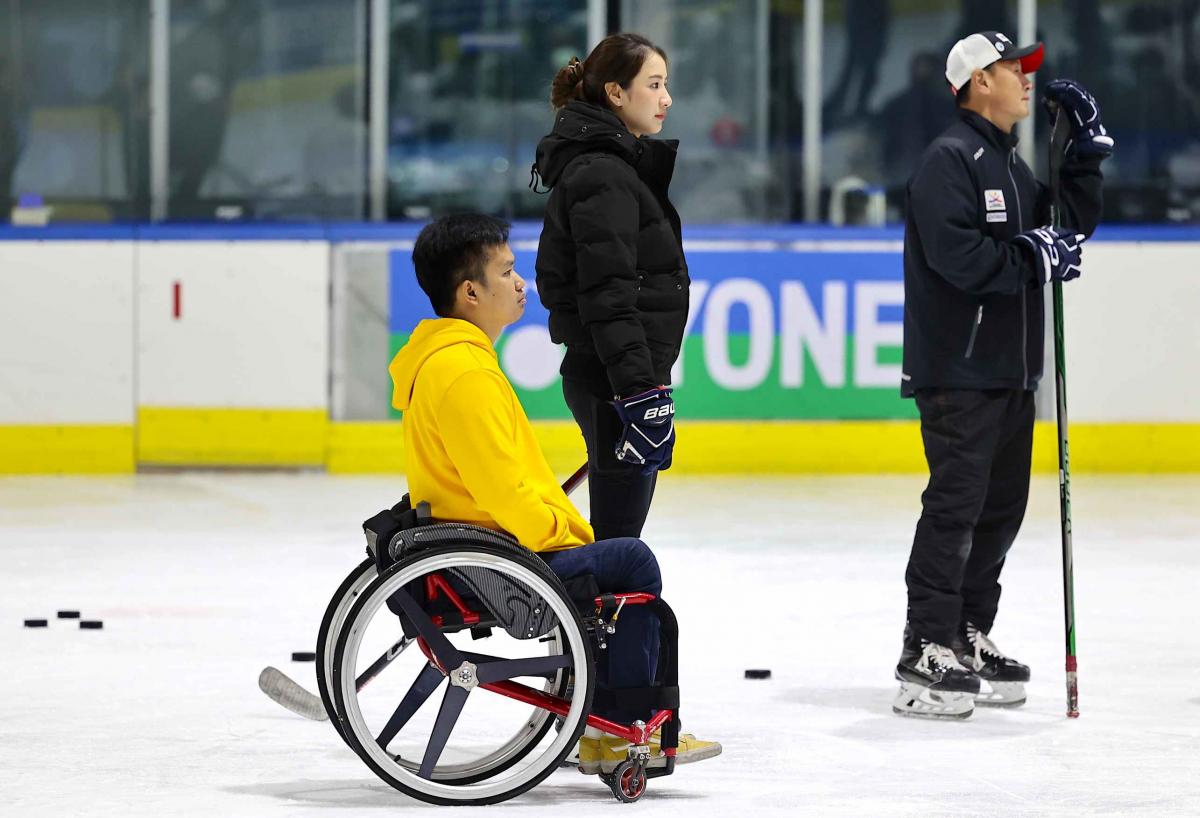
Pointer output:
x,y
973,305
610,265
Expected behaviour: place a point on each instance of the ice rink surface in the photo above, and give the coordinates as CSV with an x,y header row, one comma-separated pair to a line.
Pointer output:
x,y
203,578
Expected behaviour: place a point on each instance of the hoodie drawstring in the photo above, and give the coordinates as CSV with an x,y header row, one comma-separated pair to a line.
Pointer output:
x,y
535,179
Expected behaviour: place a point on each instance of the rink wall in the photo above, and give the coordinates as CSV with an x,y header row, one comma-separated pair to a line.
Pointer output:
x,y
268,345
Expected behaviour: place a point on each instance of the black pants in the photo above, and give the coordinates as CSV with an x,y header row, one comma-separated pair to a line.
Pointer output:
x,y
620,494
620,566
978,446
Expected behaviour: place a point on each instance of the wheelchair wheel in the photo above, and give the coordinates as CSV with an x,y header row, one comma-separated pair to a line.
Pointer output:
x,y
476,746
331,625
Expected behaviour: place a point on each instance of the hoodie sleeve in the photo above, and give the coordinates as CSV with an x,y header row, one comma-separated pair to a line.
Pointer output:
x,y
602,212
479,420
943,200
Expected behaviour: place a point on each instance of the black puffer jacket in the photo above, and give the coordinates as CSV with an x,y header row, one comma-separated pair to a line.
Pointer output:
x,y
610,265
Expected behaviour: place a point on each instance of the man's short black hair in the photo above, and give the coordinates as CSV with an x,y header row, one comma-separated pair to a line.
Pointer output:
x,y
454,249
963,96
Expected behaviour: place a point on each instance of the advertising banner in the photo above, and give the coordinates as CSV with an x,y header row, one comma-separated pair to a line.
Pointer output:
x,y
802,330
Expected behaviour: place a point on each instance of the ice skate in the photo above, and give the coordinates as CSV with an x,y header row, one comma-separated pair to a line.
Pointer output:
x,y
1002,678
933,683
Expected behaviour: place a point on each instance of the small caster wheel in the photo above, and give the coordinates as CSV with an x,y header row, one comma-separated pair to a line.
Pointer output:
x,y
628,782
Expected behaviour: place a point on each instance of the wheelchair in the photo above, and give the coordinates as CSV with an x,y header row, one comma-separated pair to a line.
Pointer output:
x,y
468,609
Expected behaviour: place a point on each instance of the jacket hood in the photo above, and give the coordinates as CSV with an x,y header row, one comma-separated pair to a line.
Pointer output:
x,y
430,337
581,127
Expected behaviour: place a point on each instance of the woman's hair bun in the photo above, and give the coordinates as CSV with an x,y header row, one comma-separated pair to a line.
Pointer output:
x,y
566,83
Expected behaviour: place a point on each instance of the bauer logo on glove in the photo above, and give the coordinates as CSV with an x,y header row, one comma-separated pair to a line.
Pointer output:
x,y
648,434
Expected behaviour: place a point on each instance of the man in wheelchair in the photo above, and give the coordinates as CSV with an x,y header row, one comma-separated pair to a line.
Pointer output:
x,y
471,454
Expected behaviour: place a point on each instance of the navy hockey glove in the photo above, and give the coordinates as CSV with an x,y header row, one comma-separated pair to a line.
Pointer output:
x,y
649,433
1057,252
1088,137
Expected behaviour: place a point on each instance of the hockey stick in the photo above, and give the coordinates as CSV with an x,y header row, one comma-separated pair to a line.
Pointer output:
x,y
1058,140
285,691
575,479
288,693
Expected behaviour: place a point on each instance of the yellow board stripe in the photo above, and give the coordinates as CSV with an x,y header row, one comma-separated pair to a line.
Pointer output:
x,y
366,447
289,438
231,437
813,447
76,449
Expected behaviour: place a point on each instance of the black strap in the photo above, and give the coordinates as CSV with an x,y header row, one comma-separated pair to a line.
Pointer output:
x,y
535,180
608,605
637,699
381,529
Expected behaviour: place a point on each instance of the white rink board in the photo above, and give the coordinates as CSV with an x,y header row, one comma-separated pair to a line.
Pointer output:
x,y
253,325
66,332
87,330
1133,333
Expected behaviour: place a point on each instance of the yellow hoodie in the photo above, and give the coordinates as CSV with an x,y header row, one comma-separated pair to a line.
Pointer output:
x,y
469,449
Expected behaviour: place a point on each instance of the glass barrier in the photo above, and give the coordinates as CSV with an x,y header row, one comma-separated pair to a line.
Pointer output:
x,y
469,91
267,109
267,103
74,108
885,95
1139,60
729,169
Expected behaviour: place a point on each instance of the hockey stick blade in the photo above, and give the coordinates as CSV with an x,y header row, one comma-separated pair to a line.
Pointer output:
x,y
281,689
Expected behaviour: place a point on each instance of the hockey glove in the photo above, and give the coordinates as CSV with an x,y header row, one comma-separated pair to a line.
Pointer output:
x,y
648,435
1088,137
1057,252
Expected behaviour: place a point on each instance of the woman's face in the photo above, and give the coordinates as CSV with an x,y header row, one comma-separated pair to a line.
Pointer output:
x,y
643,105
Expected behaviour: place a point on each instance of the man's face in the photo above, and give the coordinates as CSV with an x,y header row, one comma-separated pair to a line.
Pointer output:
x,y
1010,90
502,294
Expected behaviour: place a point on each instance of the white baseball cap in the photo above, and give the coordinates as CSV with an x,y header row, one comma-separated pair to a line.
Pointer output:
x,y
981,50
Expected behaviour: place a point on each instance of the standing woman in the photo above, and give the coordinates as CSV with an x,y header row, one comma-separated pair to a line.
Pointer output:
x,y
611,271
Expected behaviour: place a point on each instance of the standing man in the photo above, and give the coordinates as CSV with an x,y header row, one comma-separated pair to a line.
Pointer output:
x,y
977,254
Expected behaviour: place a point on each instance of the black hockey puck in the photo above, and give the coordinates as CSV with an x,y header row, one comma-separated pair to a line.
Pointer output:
x,y
68,614
35,623
758,673
304,656
90,625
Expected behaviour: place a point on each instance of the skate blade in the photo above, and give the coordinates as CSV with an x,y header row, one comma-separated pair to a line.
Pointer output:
x,y
917,701
912,714
1001,694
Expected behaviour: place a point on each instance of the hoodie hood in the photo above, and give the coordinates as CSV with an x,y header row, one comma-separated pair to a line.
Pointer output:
x,y
581,127
430,337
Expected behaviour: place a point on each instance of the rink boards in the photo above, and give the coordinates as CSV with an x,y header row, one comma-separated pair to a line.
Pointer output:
x,y
256,346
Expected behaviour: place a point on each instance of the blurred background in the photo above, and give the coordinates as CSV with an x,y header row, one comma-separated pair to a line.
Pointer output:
x,y
145,110
213,203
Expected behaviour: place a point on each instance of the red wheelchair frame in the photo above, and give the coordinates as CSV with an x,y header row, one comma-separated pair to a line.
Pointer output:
x,y
628,781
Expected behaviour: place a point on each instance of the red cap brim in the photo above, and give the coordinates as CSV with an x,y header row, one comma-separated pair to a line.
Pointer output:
x,y
1031,57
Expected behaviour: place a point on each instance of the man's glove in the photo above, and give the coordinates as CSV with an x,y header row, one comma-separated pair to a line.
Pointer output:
x,y
1088,136
649,433
1057,252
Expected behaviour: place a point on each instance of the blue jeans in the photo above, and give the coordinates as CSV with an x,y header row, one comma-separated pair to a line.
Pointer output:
x,y
621,565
